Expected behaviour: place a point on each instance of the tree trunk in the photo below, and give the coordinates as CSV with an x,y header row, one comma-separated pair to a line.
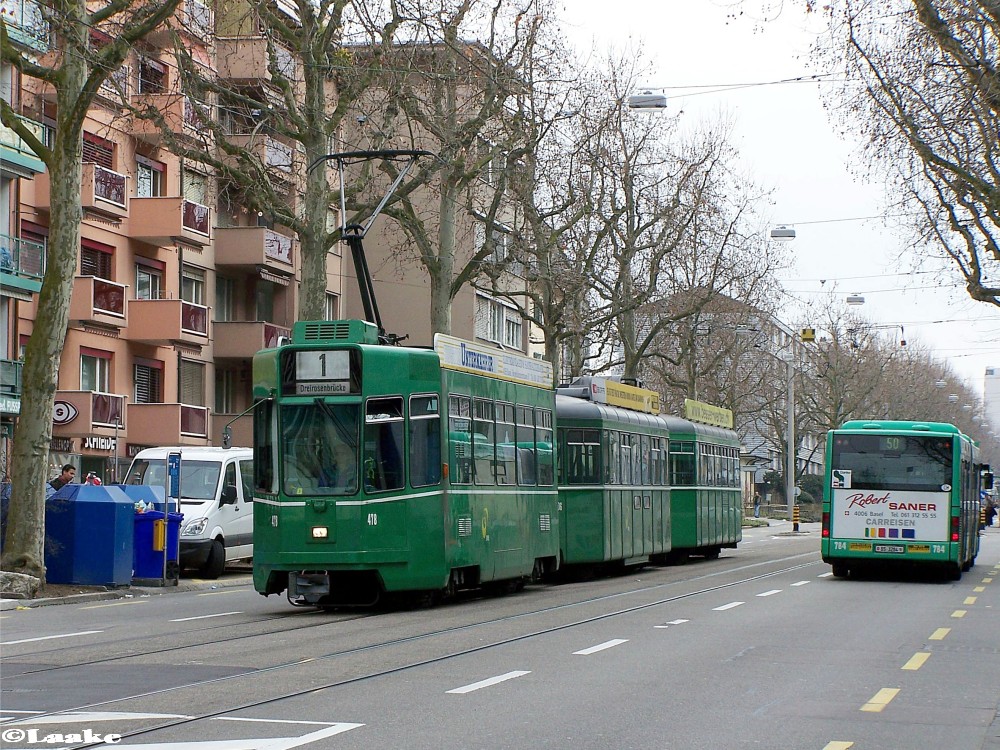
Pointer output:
x,y
24,545
443,277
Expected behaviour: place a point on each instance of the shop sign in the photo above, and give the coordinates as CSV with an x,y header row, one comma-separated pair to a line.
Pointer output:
x,y
63,412
61,445
95,443
132,449
10,405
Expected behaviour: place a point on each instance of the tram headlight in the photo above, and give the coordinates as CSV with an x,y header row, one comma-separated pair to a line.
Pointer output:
x,y
319,532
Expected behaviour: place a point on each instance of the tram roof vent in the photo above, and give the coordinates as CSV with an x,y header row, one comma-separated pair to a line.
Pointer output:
x,y
334,332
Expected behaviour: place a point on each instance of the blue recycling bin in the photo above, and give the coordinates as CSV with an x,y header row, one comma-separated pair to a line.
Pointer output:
x,y
149,547
88,536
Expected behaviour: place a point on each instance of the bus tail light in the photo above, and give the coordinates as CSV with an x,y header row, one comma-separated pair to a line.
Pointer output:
x,y
826,524
954,528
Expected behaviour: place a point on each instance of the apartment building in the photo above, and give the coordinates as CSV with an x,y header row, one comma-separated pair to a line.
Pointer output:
x,y
178,282
177,286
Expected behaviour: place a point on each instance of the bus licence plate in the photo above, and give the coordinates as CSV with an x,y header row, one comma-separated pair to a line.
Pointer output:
x,y
894,549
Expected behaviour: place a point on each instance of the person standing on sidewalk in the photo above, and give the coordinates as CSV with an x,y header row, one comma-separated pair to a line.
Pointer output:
x,y
65,477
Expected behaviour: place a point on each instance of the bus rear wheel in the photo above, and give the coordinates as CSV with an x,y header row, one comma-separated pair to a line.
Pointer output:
x,y
840,570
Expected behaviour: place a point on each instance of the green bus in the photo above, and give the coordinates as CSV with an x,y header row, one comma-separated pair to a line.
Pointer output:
x,y
901,492
382,469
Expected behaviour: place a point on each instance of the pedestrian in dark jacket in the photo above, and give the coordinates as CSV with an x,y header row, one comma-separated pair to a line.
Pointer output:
x,y
65,477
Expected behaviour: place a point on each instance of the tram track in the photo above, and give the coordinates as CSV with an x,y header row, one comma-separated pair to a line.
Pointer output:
x,y
439,633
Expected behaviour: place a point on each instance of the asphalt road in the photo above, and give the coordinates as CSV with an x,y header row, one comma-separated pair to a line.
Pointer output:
x,y
762,648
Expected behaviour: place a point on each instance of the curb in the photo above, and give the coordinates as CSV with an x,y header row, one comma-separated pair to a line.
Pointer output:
x,y
127,593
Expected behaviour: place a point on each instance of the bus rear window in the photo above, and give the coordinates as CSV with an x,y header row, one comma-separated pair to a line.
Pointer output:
x,y
892,462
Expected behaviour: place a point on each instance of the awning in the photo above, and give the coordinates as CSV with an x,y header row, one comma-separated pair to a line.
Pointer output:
x,y
274,278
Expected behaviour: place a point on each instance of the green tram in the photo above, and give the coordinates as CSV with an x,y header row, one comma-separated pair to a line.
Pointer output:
x,y
706,496
636,486
901,493
382,469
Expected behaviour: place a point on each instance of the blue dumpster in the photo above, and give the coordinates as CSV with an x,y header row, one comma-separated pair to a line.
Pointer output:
x,y
152,542
88,536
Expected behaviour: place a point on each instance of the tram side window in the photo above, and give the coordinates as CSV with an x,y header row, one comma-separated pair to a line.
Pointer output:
x,y
682,464
265,440
425,441
506,447
656,460
526,473
544,437
383,455
583,450
460,439
611,457
625,453
483,441
645,458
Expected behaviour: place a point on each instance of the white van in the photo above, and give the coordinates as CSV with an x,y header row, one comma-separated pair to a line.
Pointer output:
x,y
216,500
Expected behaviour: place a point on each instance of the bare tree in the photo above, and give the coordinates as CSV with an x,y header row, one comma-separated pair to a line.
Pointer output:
x,y
89,46
456,74
923,88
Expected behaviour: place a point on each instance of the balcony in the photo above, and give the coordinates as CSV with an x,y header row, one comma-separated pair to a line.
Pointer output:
x,y
192,19
180,116
25,25
168,424
249,247
22,266
167,321
16,159
88,414
97,302
242,340
102,191
277,157
245,60
167,221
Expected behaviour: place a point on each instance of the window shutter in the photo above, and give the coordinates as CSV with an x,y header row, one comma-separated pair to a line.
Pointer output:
x,y
192,376
148,385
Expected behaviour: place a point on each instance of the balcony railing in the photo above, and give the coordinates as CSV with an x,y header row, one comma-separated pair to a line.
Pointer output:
x,y
10,377
25,24
108,409
109,185
17,159
243,339
22,257
196,217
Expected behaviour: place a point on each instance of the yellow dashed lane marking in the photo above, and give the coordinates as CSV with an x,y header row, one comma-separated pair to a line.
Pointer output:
x,y
880,700
917,661
979,589
838,745
987,580
958,613
939,634
969,600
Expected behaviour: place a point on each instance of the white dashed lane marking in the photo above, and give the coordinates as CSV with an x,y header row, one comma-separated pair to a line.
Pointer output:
x,y
488,682
601,647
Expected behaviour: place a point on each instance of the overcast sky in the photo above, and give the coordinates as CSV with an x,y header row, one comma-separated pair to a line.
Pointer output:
x,y
702,46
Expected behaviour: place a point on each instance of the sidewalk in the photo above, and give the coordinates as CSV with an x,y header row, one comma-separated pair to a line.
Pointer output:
x,y
240,577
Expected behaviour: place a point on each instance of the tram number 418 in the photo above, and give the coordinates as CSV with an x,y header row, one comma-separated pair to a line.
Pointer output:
x,y
373,519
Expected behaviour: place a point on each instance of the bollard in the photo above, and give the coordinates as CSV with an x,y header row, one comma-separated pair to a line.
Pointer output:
x,y
982,518
795,518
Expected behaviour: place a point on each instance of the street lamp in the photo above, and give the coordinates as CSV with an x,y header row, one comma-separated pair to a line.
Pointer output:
x,y
790,468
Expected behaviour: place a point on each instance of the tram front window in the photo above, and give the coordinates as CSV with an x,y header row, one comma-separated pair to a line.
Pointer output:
x,y
319,448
